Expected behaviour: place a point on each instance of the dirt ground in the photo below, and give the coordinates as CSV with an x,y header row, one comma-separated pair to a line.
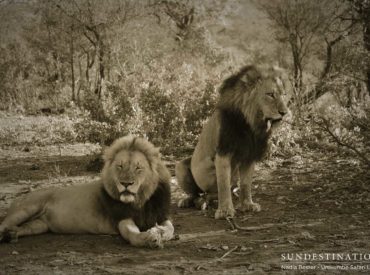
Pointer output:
x,y
315,204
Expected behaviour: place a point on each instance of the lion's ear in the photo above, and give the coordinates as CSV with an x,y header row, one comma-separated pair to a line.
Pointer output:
x,y
109,153
250,76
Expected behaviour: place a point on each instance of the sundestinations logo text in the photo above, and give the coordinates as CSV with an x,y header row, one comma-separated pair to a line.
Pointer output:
x,y
325,261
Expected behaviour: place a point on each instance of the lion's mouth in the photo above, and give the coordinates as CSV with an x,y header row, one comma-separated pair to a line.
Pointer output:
x,y
127,193
271,121
127,197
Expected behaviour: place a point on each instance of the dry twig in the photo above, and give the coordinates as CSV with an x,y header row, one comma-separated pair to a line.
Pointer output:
x,y
186,237
235,226
228,253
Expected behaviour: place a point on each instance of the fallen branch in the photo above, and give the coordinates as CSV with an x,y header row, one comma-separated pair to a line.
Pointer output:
x,y
228,253
235,226
265,241
186,237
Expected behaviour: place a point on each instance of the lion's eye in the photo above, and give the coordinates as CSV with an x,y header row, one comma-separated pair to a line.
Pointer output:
x,y
272,95
139,169
119,166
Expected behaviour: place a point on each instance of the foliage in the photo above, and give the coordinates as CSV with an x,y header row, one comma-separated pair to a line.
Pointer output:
x,y
286,141
348,128
152,68
117,104
196,110
314,30
94,106
161,117
37,130
94,131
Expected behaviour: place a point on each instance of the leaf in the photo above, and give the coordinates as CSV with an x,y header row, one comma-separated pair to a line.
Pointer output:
x,y
306,235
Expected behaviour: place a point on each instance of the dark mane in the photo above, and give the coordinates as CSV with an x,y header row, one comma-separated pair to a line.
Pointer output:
x,y
238,140
155,210
230,82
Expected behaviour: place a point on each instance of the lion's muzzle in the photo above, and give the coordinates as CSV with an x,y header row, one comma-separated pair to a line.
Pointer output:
x,y
126,183
272,122
127,196
125,193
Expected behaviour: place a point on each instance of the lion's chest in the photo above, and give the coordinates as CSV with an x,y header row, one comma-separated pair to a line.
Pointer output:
x,y
236,138
155,210
144,218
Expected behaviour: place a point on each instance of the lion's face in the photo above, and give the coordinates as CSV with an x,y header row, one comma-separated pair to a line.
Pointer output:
x,y
132,170
129,170
257,93
270,106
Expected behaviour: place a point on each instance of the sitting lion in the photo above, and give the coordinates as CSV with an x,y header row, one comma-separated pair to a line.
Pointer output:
x,y
132,199
233,139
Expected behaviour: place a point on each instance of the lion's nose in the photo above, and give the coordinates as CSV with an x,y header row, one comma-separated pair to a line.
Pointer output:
x,y
282,113
127,183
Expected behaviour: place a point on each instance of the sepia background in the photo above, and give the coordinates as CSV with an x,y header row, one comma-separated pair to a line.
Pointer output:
x,y
76,74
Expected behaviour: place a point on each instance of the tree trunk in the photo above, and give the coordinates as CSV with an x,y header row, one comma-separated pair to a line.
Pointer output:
x,y
297,71
101,68
319,89
367,44
72,66
328,60
99,45
363,9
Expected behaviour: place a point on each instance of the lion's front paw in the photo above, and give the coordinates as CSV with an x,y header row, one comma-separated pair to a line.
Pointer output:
x,y
250,206
222,213
165,233
152,238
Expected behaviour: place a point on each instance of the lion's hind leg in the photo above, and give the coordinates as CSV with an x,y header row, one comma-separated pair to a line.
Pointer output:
x,y
186,181
33,227
17,216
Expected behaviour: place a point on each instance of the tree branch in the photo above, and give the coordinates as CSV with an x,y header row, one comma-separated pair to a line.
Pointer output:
x,y
326,127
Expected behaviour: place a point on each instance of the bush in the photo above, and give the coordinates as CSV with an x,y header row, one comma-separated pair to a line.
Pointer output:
x,y
348,128
94,106
117,104
104,119
169,120
162,122
93,131
197,110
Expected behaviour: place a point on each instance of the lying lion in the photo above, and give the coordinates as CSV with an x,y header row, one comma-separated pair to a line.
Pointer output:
x,y
132,199
233,139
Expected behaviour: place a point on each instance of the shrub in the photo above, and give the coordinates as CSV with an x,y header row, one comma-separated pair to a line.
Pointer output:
x,y
117,104
104,119
348,128
162,122
197,110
